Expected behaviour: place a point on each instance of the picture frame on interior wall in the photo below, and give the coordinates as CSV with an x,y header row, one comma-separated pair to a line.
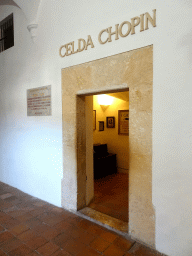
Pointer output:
x,y
123,122
101,126
110,120
94,119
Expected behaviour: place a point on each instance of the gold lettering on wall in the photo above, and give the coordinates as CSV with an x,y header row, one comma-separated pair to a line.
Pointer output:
x,y
89,42
99,37
121,26
152,20
105,35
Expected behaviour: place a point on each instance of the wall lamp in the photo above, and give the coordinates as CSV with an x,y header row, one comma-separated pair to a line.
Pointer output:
x,y
105,100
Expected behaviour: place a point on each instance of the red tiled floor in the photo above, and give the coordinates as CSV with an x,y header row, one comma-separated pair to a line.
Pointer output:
x,y
39,228
5,236
10,245
17,230
112,250
51,233
88,251
99,244
62,253
2,253
73,246
111,196
60,239
48,249
108,236
28,235
24,217
22,250
36,242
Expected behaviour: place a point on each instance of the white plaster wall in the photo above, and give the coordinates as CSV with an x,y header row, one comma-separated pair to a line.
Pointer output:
x,y
31,147
27,66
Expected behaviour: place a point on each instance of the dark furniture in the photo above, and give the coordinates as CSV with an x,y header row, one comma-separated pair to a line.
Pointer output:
x,y
104,162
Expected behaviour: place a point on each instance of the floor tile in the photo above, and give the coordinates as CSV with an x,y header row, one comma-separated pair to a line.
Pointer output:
x,y
28,235
4,196
10,209
5,236
10,245
41,228
22,250
111,194
53,228
76,232
99,244
24,217
108,236
10,223
48,214
63,225
36,242
2,253
112,250
37,212
51,233
16,213
10,198
48,249
123,243
33,222
88,251
85,224
52,220
1,228
2,214
62,253
19,229
5,205
5,218
60,239
95,229
86,238
33,254
72,246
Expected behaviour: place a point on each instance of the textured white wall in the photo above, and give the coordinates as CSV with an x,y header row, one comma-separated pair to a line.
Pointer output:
x,y
31,147
24,155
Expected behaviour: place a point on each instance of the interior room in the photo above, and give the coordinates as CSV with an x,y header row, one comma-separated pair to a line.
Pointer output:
x,y
111,154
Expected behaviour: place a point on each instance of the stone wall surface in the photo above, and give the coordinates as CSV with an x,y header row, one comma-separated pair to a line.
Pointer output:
x,y
130,70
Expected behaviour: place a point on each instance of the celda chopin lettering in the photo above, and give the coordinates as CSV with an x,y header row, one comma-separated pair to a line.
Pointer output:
x,y
122,30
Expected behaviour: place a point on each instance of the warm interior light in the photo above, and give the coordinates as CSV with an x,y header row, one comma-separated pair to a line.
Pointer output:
x,y
105,100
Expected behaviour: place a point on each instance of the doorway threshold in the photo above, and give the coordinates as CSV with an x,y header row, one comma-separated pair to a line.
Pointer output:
x,y
107,221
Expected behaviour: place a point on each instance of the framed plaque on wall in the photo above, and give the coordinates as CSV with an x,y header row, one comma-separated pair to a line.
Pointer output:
x,y
123,122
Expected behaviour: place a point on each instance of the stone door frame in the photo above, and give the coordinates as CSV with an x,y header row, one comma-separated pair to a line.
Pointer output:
x,y
133,70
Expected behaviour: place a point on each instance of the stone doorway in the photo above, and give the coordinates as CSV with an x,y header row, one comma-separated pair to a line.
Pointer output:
x,y
133,70
105,198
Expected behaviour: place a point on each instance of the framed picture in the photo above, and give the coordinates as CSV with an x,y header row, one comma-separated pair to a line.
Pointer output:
x,y
123,122
94,119
101,126
110,120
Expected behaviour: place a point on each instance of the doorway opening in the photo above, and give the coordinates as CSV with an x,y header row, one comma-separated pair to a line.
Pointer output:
x,y
131,70
107,158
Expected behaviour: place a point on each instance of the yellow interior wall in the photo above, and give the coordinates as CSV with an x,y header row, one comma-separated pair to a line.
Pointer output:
x,y
118,144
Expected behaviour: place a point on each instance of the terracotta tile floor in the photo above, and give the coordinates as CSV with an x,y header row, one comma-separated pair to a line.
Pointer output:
x,y
30,226
111,196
